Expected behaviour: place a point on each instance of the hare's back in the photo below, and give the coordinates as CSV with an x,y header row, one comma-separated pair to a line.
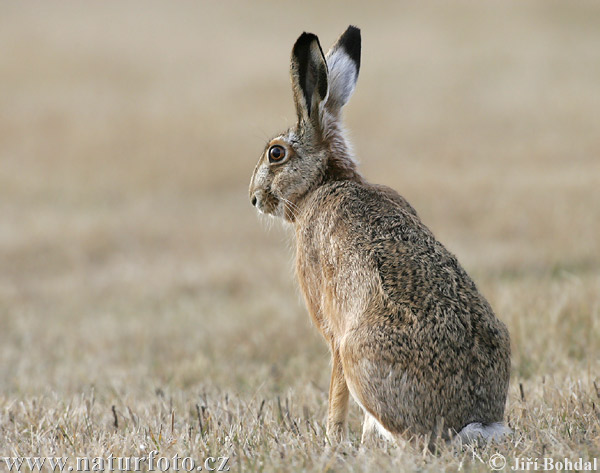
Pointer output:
x,y
413,266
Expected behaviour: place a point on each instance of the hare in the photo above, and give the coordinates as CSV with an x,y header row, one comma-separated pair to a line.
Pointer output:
x,y
411,338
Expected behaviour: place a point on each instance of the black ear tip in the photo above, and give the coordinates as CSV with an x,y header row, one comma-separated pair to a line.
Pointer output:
x,y
352,35
355,30
304,41
351,42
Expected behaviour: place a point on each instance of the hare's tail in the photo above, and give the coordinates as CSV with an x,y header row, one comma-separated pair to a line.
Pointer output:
x,y
476,430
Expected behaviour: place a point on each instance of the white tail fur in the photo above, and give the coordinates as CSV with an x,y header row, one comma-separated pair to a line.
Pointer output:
x,y
488,432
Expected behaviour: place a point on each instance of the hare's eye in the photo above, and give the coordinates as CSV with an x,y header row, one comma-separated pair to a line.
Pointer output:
x,y
276,153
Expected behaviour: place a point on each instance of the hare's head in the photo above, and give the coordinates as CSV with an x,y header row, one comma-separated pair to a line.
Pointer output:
x,y
314,150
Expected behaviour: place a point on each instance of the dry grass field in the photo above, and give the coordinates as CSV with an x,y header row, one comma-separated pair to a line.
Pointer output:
x,y
134,272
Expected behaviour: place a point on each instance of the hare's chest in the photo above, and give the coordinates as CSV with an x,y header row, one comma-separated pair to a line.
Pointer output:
x,y
310,278
322,268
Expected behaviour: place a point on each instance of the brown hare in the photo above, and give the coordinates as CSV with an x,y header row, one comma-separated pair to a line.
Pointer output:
x,y
411,338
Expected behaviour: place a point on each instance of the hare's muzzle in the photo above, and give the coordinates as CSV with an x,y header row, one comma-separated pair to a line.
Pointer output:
x,y
257,200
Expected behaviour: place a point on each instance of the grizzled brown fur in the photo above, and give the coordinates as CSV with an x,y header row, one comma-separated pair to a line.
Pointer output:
x,y
412,339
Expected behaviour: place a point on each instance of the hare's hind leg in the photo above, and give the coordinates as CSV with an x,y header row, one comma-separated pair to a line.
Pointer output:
x,y
369,428
372,429
338,401
377,383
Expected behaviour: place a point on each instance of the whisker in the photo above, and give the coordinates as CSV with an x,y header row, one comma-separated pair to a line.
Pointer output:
x,y
292,205
293,208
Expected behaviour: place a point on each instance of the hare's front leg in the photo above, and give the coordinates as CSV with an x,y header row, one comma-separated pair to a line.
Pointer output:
x,y
338,401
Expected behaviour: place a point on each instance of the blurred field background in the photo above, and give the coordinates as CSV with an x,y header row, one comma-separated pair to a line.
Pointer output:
x,y
136,274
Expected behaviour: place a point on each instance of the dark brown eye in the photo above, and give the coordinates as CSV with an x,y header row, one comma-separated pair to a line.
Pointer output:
x,y
276,153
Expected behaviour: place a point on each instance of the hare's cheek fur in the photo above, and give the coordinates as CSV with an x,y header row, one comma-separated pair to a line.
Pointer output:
x,y
293,180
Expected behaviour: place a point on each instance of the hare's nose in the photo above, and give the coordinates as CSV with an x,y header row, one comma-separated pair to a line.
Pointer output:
x,y
253,200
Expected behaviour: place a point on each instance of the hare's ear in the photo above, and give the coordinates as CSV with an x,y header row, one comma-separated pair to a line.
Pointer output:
x,y
309,77
343,62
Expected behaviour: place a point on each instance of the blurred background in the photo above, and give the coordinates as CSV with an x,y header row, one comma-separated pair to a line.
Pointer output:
x,y
130,256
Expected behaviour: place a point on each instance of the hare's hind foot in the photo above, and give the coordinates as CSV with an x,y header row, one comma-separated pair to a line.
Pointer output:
x,y
475,431
372,429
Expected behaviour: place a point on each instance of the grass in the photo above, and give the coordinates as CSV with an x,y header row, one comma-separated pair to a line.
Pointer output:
x,y
144,306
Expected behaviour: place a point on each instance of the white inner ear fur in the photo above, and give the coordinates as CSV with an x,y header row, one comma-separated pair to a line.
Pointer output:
x,y
342,78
